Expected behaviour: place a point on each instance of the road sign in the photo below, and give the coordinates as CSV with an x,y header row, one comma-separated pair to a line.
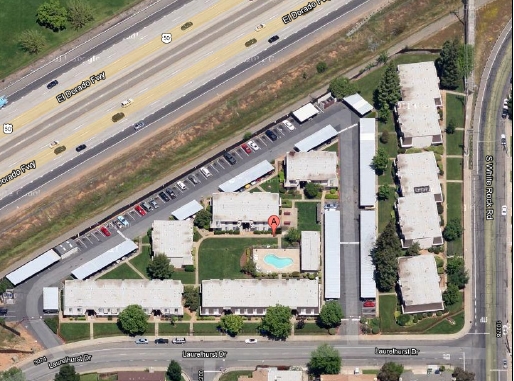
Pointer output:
x,y
446,356
166,38
8,128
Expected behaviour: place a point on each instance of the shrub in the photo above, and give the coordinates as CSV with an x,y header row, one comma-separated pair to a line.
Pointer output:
x,y
440,270
424,314
384,138
250,42
419,316
375,330
332,191
247,135
117,117
332,196
439,313
59,150
189,268
440,208
188,24
321,67
404,320
450,128
109,318
295,274
332,331
415,320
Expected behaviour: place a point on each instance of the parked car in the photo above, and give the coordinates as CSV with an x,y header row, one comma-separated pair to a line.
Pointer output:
x,y
179,340
3,311
105,231
251,341
193,179
164,197
171,193
161,341
287,124
272,39
141,341
270,134
369,303
181,185
123,221
245,147
139,125
254,145
231,159
140,210
154,204
80,148
146,206
52,84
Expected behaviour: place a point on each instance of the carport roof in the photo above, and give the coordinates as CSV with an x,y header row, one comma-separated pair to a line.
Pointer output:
x,y
31,268
316,139
187,210
246,177
358,103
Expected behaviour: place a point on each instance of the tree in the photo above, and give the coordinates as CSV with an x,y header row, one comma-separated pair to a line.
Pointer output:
x,y
382,58
247,135
451,295
509,105
191,298
465,60
293,235
4,285
331,314
32,41
450,128
342,87
133,319
312,189
232,324
453,229
277,322
388,93
380,161
325,360
457,273
52,15
384,191
403,320
413,250
447,65
321,67
390,371
203,219
67,373
160,267
384,254
174,371
249,268
383,113
384,137
79,13
13,374
462,375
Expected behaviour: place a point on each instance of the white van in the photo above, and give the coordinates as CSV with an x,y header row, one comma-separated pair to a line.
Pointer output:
x,y
126,103
205,172
181,185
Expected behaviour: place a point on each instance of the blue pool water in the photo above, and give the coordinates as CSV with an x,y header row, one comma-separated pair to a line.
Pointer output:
x,y
278,262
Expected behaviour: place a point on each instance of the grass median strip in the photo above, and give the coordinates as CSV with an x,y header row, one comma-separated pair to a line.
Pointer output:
x,y
71,332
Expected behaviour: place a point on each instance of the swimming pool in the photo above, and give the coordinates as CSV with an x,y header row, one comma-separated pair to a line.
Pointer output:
x,y
278,262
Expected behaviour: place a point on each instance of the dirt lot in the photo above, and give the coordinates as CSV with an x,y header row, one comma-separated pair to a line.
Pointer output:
x,y
199,133
11,341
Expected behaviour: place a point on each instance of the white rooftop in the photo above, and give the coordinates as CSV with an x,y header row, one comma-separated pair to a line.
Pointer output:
x,y
418,173
419,283
418,216
188,210
418,119
305,112
358,103
332,262
367,148
310,251
104,260
419,82
50,298
244,207
247,177
368,236
316,139
33,267
260,293
175,240
312,166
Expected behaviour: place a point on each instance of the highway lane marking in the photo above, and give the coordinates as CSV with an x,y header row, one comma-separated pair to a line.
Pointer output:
x,y
350,243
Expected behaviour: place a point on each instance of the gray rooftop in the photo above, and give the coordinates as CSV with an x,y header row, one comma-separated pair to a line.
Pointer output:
x,y
69,246
419,82
419,281
367,176
188,210
418,216
244,207
311,166
358,103
260,293
104,260
246,177
368,236
175,240
332,262
310,251
316,139
417,171
33,267
418,119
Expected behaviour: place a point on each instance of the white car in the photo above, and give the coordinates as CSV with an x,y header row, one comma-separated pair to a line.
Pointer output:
x,y
504,210
288,125
260,27
123,221
54,143
141,341
251,341
254,145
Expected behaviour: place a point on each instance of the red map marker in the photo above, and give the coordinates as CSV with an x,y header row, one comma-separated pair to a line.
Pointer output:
x,y
274,223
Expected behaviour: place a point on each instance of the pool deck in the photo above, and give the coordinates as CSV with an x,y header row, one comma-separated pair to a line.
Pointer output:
x,y
265,268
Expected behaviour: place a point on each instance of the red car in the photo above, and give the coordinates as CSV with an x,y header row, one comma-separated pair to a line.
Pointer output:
x,y
246,148
105,231
369,303
140,210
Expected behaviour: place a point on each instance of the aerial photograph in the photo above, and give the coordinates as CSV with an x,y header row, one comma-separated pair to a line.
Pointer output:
x,y
256,190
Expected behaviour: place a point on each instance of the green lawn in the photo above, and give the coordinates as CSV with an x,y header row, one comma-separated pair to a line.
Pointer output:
x,y
234,376
445,327
145,239
387,176
385,207
256,189
333,148
455,143
111,329
391,147
454,210
184,276
218,258
74,331
17,17
387,307
454,168
89,377
455,109
206,329
311,328
307,216
250,329
123,271
271,185
177,328
141,261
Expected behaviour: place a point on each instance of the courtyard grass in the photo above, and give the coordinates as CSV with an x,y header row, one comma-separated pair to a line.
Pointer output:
x,y
387,176
89,377
142,261
256,189
184,276
177,328
455,109
218,258
71,332
454,168
455,143
106,330
444,327
123,271
307,216
271,185
250,329
311,328
333,148
385,210
206,329
454,210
